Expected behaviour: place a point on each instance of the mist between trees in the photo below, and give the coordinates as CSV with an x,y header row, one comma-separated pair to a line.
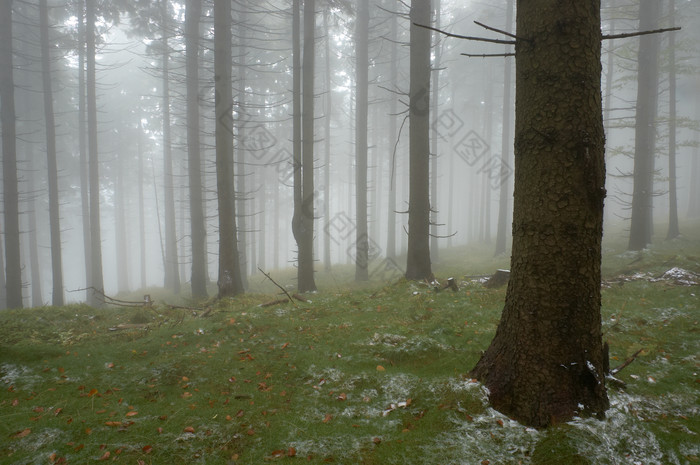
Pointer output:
x,y
321,133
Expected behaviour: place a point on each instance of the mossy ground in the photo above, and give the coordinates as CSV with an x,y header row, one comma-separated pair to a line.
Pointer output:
x,y
359,375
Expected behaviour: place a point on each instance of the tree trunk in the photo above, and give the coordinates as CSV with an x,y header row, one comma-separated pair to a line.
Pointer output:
x,y
82,148
229,282
172,274
120,234
435,100
96,280
33,245
545,363
327,145
54,216
641,227
142,205
361,109
305,230
242,211
393,142
418,259
506,144
198,278
673,228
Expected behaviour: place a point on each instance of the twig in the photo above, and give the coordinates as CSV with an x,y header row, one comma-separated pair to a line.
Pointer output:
x,y
457,36
506,33
640,33
615,371
488,55
117,302
267,275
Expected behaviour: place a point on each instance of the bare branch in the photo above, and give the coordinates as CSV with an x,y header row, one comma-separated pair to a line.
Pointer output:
x,y
640,33
498,30
275,283
457,36
488,55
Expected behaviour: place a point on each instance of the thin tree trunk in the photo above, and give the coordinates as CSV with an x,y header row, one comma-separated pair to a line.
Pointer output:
x,y
641,227
82,147
435,100
172,275
198,278
142,206
506,144
120,242
393,136
33,246
242,214
673,228
327,146
96,281
418,255
54,216
230,283
361,110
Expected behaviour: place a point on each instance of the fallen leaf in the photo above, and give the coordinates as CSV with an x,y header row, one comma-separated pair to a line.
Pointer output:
x,y
113,423
147,449
376,440
93,392
342,396
132,413
105,456
327,418
188,429
21,434
291,452
380,368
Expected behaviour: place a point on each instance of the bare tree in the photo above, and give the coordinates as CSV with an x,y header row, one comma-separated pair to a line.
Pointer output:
x,y
361,110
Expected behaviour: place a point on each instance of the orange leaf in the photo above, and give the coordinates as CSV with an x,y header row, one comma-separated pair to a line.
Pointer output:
x,y
21,434
250,432
132,413
92,392
342,396
113,423
380,368
188,429
327,418
291,452
147,449
105,456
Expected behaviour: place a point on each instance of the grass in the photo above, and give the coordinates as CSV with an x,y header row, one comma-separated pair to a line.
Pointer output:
x,y
359,375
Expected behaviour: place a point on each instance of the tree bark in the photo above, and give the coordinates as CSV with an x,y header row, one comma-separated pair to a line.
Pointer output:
x,y
361,111
54,216
96,280
172,274
327,145
198,278
434,101
641,227
229,282
393,136
82,148
545,363
673,227
418,255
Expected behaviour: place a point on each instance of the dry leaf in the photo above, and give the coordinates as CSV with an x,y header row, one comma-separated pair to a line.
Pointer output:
x,y
21,434
327,418
380,368
188,429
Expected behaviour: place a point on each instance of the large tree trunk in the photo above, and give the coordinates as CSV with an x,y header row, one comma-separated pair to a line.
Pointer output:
x,y
33,245
545,363
361,110
172,275
229,282
54,217
198,278
327,145
96,280
120,234
13,266
393,142
418,259
503,204
434,101
241,200
142,206
641,227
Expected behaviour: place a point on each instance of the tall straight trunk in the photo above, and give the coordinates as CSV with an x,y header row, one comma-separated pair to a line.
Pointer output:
x,y
33,246
694,190
194,163
641,227
673,228
305,224
393,142
327,146
3,290
229,281
361,110
242,213
83,150
546,362
485,220
296,126
142,205
172,274
13,266
96,281
506,144
418,259
435,100
120,234
54,216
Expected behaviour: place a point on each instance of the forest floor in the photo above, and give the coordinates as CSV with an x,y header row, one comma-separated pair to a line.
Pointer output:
x,y
356,375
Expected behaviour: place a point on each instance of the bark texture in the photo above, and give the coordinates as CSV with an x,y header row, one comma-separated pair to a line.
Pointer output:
x,y
545,363
361,110
418,259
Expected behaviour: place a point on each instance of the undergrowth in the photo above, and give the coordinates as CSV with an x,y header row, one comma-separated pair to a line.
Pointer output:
x,y
368,375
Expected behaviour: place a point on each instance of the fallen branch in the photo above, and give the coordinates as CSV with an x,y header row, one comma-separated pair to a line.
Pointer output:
x,y
146,302
626,363
267,275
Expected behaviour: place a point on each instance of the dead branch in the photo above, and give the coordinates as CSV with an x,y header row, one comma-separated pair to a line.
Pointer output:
x,y
640,33
267,275
457,36
500,31
146,302
487,55
626,363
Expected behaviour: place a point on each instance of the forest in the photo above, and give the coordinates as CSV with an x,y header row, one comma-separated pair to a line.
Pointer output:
x,y
183,170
